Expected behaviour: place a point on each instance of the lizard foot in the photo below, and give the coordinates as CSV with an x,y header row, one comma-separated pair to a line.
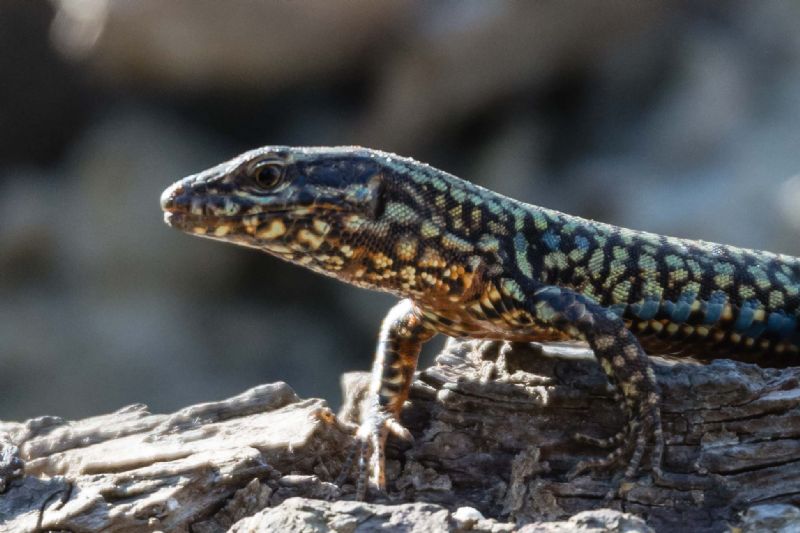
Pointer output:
x,y
630,447
370,448
11,465
609,442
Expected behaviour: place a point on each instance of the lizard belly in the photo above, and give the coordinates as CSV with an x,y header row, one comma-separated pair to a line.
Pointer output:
x,y
473,320
707,342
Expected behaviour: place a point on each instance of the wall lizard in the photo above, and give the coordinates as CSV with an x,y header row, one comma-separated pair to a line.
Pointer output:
x,y
469,262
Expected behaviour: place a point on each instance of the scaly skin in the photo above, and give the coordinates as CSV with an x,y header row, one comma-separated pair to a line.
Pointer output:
x,y
469,262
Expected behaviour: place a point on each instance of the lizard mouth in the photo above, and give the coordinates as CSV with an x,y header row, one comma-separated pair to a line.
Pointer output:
x,y
186,211
181,219
191,223
181,206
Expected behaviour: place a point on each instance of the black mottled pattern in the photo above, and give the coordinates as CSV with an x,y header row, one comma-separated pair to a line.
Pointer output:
x,y
469,262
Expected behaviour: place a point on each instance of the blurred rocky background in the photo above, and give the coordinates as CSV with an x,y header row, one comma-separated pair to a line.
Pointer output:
x,y
676,117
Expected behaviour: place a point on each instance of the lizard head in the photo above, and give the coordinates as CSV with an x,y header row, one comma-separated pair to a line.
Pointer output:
x,y
371,218
306,205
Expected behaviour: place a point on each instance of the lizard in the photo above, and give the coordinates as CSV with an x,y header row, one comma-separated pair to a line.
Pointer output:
x,y
470,262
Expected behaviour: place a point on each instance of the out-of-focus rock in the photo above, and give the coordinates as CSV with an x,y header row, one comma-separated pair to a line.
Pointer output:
x,y
28,206
704,145
238,46
112,221
43,101
513,162
707,99
788,199
467,55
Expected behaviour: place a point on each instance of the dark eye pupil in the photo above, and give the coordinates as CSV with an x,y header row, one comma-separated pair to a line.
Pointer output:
x,y
268,175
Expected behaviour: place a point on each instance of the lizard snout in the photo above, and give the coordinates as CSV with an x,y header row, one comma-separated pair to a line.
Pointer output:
x,y
170,196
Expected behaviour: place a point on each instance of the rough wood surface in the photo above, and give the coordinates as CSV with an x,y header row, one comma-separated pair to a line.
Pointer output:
x,y
135,471
493,427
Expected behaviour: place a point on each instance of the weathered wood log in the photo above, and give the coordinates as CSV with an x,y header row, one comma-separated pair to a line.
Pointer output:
x,y
494,429
134,471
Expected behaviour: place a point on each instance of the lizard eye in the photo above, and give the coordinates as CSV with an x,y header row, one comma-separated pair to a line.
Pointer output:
x,y
267,174
378,203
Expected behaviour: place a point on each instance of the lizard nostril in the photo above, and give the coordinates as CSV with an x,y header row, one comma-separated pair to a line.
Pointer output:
x,y
169,196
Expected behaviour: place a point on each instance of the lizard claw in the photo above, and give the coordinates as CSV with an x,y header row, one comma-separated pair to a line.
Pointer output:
x,y
631,446
399,431
609,442
369,447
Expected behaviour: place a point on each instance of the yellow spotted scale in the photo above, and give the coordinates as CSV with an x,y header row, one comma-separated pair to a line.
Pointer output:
x,y
469,262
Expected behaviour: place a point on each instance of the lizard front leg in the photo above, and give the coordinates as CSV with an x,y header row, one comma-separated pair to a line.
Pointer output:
x,y
624,362
403,332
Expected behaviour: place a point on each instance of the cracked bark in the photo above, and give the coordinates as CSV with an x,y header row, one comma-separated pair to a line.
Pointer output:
x,y
493,427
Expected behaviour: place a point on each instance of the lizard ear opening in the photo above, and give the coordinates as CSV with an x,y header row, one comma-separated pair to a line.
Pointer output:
x,y
377,202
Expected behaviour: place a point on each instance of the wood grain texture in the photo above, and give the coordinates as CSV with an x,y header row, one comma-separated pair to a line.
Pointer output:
x,y
493,425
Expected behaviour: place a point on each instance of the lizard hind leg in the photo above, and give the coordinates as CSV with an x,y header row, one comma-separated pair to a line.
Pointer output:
x,y
626,364
628,368
403,332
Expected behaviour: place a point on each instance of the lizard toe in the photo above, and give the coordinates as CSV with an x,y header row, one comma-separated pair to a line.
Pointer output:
x,y
630,450
369,447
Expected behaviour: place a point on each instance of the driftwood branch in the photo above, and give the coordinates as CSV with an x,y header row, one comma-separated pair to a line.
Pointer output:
x,y
493,427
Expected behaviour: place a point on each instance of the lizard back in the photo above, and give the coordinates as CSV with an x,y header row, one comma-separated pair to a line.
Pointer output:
x,y
680,296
